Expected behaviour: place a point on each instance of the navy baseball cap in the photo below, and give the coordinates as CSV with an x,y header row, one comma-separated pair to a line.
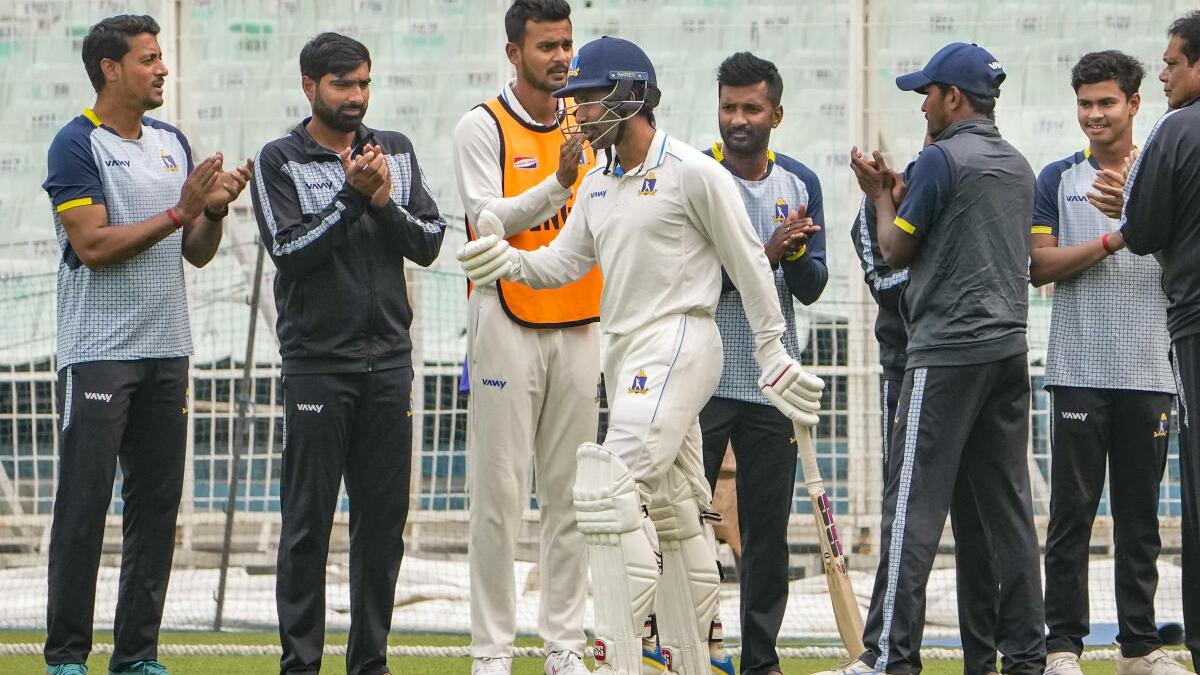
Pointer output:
x,y
605,61
966,66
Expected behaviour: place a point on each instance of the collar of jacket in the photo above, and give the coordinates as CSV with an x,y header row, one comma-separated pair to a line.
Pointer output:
x,y
314,149
974,125
1187,103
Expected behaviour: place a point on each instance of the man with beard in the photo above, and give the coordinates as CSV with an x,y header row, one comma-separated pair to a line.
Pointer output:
x,y
127,202
962,231
660,219
783,199
340,207
1162,216
533,377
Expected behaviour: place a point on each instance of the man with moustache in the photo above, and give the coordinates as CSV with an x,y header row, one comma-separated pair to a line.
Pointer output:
x,y
783,199
340,208
1162,216
128,204
532,355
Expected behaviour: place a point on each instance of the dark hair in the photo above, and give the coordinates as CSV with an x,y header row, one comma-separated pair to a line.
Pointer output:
x,y
650,96
523,11
1187,27
1107,65
979,103
332,53
744,69
109,39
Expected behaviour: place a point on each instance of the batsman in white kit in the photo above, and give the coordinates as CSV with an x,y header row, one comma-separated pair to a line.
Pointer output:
x,y
661,220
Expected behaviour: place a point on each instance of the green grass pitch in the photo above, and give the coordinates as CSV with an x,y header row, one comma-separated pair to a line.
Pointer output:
x,y
335,665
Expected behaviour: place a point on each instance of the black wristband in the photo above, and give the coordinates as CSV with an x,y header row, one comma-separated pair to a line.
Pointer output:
x,y
213,215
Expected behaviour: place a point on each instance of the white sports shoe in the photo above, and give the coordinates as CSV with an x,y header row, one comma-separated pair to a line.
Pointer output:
x,y
855,667
1156,662
489,665
565,662
1063,663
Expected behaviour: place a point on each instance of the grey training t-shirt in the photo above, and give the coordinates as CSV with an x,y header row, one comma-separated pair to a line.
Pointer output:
x,y
1108,328
136,308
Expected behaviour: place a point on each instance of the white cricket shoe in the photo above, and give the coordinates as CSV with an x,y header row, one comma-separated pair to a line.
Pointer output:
x,y
1063,663
492,665
855,667
1156,662
565,662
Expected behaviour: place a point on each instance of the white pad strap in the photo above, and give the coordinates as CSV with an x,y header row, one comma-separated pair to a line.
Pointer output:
x,y
689,595
622,555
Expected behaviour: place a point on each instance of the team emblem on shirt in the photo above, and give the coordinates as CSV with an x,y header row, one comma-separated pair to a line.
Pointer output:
x,y
781,211
648,185
524,162
639,383
1161,431
169,163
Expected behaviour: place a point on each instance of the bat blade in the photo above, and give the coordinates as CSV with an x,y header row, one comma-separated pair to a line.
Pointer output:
x,y
846,612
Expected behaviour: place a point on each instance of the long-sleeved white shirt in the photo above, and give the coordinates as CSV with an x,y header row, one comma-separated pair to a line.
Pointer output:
x,y
477,169
661,234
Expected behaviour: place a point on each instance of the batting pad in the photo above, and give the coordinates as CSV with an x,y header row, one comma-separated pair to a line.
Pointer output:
x,y
689,593
622,557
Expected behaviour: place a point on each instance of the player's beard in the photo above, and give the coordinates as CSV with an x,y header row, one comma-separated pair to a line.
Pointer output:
x,y
336,118
746,141
149,102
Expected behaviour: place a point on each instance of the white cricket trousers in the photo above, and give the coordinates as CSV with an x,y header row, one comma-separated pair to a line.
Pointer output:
x,y
533,396
657,380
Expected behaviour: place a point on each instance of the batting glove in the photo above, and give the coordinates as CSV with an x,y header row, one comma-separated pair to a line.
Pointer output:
x,y
488,258
793,390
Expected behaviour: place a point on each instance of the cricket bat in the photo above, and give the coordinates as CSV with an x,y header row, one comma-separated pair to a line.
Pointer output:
x,y
845,606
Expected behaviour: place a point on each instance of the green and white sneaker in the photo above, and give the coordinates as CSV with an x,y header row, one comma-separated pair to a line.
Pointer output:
x,y
67,669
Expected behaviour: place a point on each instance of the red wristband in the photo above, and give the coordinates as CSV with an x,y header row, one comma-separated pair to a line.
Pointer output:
x,y
1104,242
175,219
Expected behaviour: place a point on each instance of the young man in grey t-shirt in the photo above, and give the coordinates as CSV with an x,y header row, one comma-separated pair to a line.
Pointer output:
x,y
964,406
1110,404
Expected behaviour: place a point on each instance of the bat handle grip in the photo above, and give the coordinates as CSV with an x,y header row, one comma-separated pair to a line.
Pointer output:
x,y
808,458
